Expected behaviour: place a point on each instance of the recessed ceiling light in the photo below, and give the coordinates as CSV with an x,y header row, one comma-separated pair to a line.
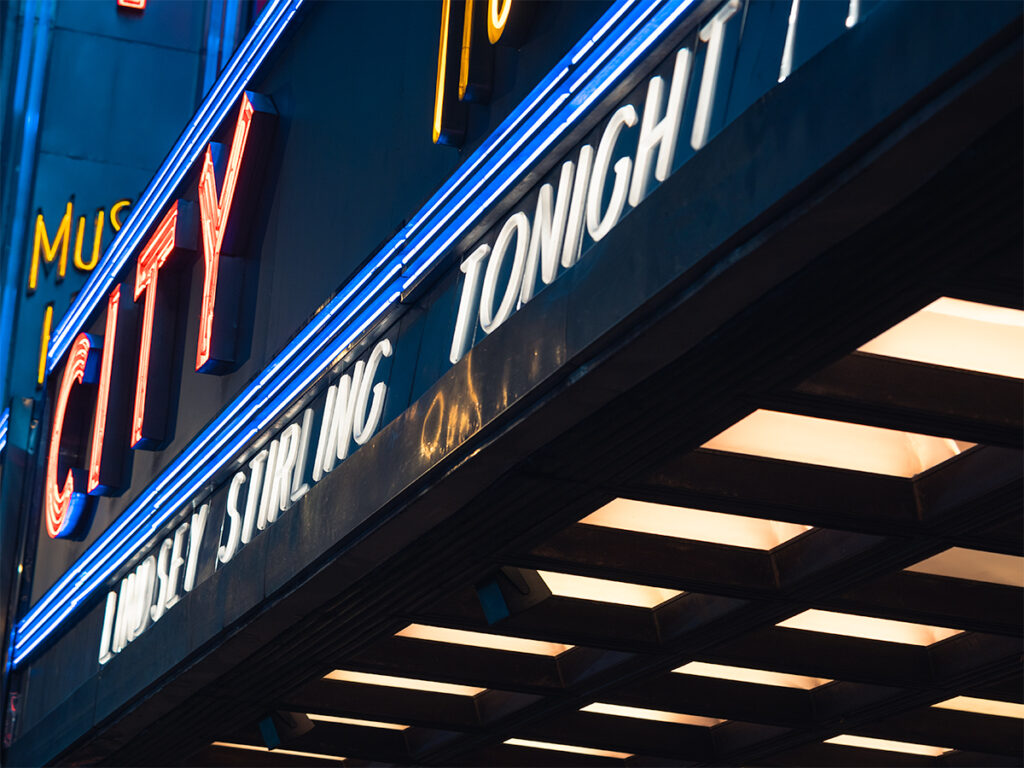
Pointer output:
x,y
976,565
354,721
864,742
867,627
811,440
483,640
389,681
606,591
640,713
958,334
983,706
749,675
254,748
567,748
694,524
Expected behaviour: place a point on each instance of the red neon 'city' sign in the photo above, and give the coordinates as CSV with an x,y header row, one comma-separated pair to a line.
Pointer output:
x,y
101,364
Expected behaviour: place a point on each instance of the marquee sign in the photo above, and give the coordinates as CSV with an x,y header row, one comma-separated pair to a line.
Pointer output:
x,y
260,455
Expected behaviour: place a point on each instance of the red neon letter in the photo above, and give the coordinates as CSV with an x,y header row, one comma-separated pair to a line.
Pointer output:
x,y
63,506
216,346
109,459
99,424
149,419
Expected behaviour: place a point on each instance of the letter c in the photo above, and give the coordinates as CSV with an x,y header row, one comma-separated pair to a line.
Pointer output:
x,y
64,506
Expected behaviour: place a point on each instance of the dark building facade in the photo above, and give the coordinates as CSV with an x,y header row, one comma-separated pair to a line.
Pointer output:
x,y
557,384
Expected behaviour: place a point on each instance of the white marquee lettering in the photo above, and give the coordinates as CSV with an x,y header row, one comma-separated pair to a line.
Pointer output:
x,y
548,233
599,224
516,226
661,134
712,33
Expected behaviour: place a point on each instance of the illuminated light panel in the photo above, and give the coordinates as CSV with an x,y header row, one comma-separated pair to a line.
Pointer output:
x,y
868,627
294,752
694,524
354,721
640,713
811,440
983,706
483,640
958,334
974,564
749,675
389,681
567,748
606,591
864,742
590,71
135,5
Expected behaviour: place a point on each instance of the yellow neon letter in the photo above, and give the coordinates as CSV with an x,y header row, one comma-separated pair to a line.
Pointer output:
x,y
115,209
42,239
44,343
442,57
467,44
78,243
497,18
88,266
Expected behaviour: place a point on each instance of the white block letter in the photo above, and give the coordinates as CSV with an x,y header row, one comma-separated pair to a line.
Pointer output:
x,y
517,226
467,302
366,422
713,33
548,233
599,225
661,133
195,540
233,518
574,227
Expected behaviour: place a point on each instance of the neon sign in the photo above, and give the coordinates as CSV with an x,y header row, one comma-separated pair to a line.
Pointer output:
x,y
555,107
64,505
46,251
222,235
588,72
67,507
468,69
